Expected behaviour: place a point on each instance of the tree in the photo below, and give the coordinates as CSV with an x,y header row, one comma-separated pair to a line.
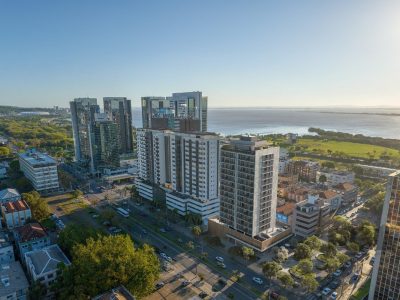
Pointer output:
x,y
77,193
108,214
366,233
329,249
305,266
271,269
190,245
302,251
4,151
247,252
328,164
37,291
196,230
106,262
353,247
281,254
375,203
38,206
285,279
73,235
322,179
309,282
331,264
313,242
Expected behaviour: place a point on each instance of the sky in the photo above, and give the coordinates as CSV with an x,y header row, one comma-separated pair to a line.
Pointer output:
x,y
237,52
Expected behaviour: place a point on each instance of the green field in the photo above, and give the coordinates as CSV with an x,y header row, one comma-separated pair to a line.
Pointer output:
x,y
346,149
362,291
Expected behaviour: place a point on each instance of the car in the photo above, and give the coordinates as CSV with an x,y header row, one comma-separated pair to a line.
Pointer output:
x,y
334,295
163,255
202,295
355,277
221,264
337,273
185,283
144,231
162,229
372,261
95,216
220,259
118,230
347,264
358,255
159,285
334,285
326,291
258,280
275,295
222,281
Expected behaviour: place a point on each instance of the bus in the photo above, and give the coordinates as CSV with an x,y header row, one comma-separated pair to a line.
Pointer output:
x,y
122,212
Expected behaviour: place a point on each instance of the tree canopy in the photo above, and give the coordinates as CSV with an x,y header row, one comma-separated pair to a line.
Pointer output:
x,y
302,251
106,262
38,206
271,269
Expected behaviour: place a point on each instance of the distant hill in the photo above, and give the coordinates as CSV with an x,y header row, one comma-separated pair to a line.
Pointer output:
x,y
12,110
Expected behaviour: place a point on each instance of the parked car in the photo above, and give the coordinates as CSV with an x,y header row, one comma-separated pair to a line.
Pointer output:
x,y
159,285
334,285
347,264
185,283
220,259
337,273
334,295
326,291
202,295
221,264
258,280
358,255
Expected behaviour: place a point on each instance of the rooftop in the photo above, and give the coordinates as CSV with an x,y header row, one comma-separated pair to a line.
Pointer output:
x,y
118,293
12,278
4,239
327,194
46,260
286,209
29,232
346,186
8,193
13,206
36,158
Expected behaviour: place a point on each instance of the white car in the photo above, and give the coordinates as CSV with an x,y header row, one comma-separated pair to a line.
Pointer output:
x,y
220,259
221,264
163,255
358,255
326,291
257,280
334,295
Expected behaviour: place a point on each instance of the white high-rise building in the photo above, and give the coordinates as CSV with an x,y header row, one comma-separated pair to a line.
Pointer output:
x,y
40,169
185,165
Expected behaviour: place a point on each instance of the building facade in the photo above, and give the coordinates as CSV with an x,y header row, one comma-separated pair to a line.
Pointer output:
x,y
249,179
30,237
106,148
184,112
40,169
385,282
14,284
83,112
184,165
335,177
307,170
16,213
120,112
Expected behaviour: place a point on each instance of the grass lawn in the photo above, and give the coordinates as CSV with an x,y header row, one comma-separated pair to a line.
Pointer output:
x,y
362,292
350,149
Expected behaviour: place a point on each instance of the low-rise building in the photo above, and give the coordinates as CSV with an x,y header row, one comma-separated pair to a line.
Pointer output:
x,y
14,285
284,213
42,265
30,237
333,199
118,293
6,249
3,173
347,191
309,216
335,177
8,195
15,213
40,169
306,169
375,171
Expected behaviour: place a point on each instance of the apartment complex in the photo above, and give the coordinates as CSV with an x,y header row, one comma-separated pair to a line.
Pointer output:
x,y
120,112
40,169
309,216
184,165
30,237
306,169
249,178
183,112
385,282
83,112
106,148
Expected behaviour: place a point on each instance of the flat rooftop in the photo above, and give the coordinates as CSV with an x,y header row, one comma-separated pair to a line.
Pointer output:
x,y
12,278
36,159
